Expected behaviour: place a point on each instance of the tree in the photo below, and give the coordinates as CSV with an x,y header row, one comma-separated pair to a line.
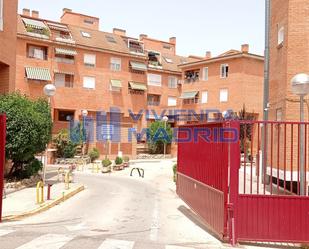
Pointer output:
x,y
246,129
29,128
158,136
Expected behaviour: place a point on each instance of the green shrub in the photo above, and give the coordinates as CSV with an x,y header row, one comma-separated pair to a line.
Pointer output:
x,y
30,169
28,129
126,159
94,154
118,160
106,162
69,150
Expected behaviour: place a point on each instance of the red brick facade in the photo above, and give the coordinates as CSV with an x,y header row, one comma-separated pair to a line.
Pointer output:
x,y
289,55
95,70
8,45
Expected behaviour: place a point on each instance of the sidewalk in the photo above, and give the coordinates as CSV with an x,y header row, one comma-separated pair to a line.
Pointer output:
x,y
22,203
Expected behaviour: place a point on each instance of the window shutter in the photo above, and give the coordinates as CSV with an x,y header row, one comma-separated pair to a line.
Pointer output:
x,y
89,82
90,59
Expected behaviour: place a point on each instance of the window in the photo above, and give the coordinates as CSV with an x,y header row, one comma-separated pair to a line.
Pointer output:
x,y
205,73
166,46
1,15
168,60
204,97
154,59
115,64
86,34
172,82
224,71
172,101
89,60
65,116
111,39
64,80
154,79
89,82
136,46
37,52
89,21
280,35
224,94
153,100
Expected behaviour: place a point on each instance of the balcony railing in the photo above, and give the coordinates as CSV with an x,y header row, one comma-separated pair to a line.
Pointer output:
x,y
64,60
153,103
38,57
191,80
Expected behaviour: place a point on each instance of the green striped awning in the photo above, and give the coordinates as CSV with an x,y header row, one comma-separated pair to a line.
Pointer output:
x,y
65,51
138,66
138,86
34,23
35,73
57,26
188,95
116,83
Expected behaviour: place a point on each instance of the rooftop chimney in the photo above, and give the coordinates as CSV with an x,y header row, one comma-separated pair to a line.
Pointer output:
x,y
120,32
26,12
66,10
208,55
173,40
35,14
142,36
245,48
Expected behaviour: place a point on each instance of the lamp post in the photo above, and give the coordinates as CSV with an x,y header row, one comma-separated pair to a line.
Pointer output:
x,y
300,87
84,114
165,119
49,90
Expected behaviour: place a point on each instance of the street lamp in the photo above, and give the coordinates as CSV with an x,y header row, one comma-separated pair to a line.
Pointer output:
x,y
84,114
165,119
49,90
300,87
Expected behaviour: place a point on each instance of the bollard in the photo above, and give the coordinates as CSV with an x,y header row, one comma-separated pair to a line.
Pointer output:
x,y
48,191
67,180
60,170
40,192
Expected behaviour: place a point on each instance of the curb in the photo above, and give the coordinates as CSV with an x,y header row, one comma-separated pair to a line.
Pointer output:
x,y
44,207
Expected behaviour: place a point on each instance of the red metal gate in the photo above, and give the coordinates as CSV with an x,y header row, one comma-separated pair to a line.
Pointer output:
x,y
261,177
2,157
201,174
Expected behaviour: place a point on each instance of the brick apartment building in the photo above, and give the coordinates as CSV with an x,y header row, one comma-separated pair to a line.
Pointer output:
x,y
94,70
8,10
226,82
289,55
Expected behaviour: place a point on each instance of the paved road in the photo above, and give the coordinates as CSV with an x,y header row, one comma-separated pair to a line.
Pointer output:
x,y
114,212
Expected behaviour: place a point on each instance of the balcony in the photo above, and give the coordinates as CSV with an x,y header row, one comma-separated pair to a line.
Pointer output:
x,y
192,76
136,47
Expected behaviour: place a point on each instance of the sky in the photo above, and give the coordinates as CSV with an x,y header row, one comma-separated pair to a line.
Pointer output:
x,y
199,25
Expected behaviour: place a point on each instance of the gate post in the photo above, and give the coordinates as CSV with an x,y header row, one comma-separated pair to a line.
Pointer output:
x,y
233,166
2,157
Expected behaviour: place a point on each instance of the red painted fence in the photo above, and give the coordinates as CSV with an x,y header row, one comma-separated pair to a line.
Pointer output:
x,y
2,157
249,189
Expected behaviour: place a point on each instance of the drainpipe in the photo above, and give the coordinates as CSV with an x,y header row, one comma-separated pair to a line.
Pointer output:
x,y
266,87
